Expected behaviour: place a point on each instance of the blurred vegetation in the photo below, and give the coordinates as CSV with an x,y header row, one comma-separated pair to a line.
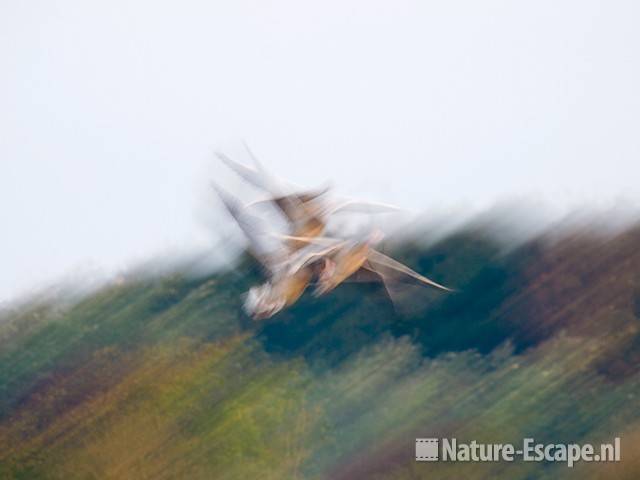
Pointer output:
x,y
163,377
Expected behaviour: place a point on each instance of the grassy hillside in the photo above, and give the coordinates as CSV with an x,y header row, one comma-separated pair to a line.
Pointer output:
x,y
163,377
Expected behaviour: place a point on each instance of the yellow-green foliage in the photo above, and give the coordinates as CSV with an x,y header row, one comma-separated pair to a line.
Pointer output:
x,y
163,378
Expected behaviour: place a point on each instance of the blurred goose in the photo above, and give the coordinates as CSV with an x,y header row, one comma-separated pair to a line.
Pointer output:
x,y
358,260
289,272
306,212
306,255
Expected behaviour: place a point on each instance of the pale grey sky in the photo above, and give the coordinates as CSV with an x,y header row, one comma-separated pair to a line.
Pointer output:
x,y
110,112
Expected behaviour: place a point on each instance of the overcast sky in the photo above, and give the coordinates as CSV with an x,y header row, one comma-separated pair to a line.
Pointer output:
x,y
110,112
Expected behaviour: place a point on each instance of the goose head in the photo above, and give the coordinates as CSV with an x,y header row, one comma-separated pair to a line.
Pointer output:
x,y
263,302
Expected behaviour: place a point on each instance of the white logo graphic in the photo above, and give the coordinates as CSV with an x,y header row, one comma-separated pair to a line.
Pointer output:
x,y
428,450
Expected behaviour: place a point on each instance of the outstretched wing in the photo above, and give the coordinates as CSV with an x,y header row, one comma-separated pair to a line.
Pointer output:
x,y
250,226
311,255
257,177
288,204
322,241
388,267
295,207
361,206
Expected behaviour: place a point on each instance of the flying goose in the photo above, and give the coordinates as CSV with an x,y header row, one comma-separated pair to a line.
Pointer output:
x,y
307,212
288,272
358,258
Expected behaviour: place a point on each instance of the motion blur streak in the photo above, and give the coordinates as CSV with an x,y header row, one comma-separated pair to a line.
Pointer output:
x,y
161,376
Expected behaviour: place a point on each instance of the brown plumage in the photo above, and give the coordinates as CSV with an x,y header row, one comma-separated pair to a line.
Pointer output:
x,y
305,254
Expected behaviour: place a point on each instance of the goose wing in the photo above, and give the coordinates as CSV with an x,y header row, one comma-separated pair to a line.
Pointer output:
x,y
361,206
387,267
257,177
249,226
322,241
294,206
311,255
